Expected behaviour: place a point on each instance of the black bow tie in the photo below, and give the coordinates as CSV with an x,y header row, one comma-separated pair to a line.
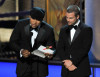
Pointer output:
x,y
71,26
36,29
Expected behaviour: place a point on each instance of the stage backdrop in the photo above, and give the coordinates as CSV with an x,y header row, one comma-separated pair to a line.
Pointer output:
x,y
56,10
92,18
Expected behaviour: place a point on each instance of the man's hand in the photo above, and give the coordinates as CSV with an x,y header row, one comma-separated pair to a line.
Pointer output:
x,y
72,68
25,53
48,55
67,63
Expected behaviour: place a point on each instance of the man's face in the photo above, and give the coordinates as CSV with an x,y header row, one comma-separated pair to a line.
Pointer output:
x,y
71,18
34,23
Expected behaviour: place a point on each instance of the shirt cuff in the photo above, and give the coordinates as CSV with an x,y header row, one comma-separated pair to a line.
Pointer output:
x,y
20,52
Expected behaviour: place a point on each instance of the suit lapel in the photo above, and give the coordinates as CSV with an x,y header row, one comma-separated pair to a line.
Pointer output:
x,y
78,30
40,34
67,35
76,34
27,31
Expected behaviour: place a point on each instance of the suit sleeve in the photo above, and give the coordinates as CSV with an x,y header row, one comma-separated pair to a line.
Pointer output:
x,y
61,47
51,39
15,38
82,52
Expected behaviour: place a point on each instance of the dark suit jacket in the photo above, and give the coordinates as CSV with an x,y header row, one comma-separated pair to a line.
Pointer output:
x,y
21,39
78,49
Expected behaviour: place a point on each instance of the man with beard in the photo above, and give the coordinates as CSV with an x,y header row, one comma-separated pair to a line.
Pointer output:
x,y
27,36
74,43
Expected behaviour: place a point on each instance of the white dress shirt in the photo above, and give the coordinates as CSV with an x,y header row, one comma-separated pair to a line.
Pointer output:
x,y
35,33
72,31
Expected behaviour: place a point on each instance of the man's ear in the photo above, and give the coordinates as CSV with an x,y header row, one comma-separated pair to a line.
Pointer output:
x,y
78,16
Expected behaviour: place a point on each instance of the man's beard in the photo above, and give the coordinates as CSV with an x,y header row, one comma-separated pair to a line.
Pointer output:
x,y
74,22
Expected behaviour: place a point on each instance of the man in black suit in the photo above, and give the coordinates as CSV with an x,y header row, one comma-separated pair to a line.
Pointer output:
x,y
27,36
74,43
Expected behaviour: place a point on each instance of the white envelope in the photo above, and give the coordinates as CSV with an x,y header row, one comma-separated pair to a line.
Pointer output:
x,y
41,50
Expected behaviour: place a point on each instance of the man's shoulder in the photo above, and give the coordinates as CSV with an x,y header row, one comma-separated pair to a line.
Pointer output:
x,y
86,26
64,27
46,25
24,20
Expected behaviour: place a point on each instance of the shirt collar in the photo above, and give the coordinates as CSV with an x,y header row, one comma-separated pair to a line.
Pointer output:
x,y
77,23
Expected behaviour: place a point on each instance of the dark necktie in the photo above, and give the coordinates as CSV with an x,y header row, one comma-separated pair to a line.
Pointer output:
x,y
71,26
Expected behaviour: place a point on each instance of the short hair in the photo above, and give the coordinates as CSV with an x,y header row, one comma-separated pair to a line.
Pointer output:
x,y
73,8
